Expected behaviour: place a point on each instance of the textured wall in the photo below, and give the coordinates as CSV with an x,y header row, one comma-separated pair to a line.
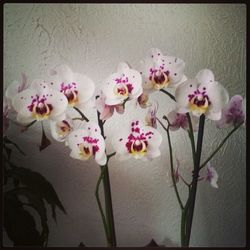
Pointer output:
x,y
92,39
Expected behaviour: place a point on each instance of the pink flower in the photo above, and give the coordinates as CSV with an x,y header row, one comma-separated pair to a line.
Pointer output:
x,y
106,111
232,113
179,120
151,115
211,176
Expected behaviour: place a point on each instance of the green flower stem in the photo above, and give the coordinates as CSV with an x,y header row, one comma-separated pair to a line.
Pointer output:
x,y
81,113
100,206
171,163
192,195
191,135
167,93
107,195
220,145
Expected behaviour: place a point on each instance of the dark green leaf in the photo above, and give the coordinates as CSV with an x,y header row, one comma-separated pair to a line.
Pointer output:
x,y
19,223
39,185
37,203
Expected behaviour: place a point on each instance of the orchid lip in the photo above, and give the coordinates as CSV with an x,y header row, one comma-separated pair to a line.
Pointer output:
x,y
88,148
137,141
39,108
69,90
199,101
159,77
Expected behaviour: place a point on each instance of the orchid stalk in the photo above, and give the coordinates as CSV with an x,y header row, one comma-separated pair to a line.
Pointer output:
x,y
108,221
188,209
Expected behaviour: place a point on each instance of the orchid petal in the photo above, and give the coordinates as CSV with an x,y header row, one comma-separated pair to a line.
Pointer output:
x,y
212,175
61,73
93,127
85,87
155,54
205,76
183,90
175,66
218,96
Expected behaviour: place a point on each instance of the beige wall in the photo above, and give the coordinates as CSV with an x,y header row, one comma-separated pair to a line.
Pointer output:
x,y
92,39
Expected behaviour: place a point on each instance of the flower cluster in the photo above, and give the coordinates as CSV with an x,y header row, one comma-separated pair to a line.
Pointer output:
x,y
64,89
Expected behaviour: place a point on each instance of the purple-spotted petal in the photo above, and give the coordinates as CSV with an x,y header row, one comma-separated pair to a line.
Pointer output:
x,y
175,66
155,54
23,99
61,73
93,127
205,76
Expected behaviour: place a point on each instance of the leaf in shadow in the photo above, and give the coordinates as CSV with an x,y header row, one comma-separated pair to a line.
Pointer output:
x,y
39,185
6,140
19,223
81,245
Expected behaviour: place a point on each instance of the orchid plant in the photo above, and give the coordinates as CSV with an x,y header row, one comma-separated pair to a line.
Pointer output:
x,y
196,99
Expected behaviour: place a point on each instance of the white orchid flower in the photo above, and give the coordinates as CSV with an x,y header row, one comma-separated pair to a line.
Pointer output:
x,y
86,143
202,95
39,102
125,84
138,141
159,71
62,128
77,88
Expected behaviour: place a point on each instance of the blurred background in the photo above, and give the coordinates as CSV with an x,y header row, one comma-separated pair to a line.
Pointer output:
x,y
92,39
